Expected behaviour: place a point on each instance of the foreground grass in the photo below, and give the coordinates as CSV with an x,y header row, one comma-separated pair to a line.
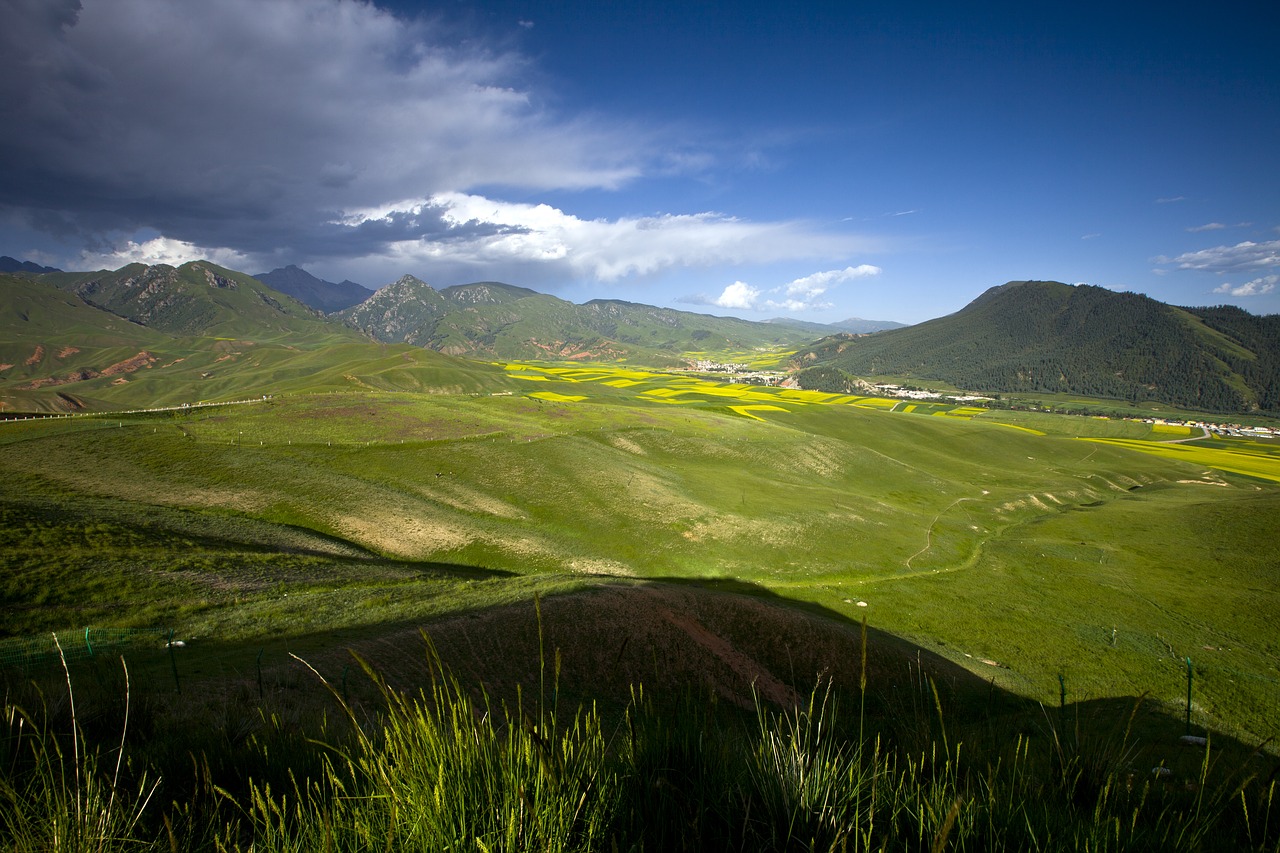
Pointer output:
x,y
450,768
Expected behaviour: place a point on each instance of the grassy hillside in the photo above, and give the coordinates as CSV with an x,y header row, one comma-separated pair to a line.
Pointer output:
x,y
703,554
1028,337
598,473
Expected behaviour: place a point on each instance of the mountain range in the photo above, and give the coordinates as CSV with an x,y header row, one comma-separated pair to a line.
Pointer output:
x,y
149,335
332,298
490,319
1045,336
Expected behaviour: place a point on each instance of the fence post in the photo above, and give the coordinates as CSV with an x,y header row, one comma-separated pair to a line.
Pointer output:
x,y
88,646
261,693
173,663
1188,696
1062,702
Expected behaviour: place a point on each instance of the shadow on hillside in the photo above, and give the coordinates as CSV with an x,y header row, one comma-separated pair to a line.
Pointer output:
x,y
719,641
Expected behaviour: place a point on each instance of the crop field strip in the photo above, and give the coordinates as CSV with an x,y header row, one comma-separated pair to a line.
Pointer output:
x,y
1237,459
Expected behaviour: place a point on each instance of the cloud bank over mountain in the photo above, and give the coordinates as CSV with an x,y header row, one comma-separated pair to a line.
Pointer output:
x,y
259,133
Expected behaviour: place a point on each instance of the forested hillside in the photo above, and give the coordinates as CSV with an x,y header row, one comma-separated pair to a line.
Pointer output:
x,y
1054,337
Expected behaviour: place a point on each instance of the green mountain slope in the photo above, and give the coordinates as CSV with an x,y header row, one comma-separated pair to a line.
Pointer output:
x,y
1051,337
60,353
495,320
197,298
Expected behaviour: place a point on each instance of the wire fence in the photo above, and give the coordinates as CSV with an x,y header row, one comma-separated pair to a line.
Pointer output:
x,y
47,651
14,417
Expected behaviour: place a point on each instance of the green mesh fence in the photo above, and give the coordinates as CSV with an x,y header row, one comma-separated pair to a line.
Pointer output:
x,y
77,645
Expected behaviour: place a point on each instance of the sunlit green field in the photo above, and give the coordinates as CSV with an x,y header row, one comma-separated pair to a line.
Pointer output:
x,y
1237,456
998,539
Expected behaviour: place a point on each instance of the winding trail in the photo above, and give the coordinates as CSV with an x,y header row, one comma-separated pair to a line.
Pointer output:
x,y
928,539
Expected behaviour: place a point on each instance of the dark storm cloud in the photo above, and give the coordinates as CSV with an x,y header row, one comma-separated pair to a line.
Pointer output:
x,y
253,126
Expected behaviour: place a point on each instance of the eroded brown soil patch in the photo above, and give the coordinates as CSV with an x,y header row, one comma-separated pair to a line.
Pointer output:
x,y
129,365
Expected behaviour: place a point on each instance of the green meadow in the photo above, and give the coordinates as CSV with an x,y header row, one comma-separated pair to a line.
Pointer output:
x,y
1023,547
681,614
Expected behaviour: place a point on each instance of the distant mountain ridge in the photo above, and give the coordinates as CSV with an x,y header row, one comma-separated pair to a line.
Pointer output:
x,y
80,340
853,325
485,319
1038,336
8,264
334,298
308,289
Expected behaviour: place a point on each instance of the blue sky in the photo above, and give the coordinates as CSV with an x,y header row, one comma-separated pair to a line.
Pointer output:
x,y
821,160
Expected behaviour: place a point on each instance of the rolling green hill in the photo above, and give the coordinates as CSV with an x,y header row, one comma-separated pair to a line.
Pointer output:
x,y
1036,336
1044,553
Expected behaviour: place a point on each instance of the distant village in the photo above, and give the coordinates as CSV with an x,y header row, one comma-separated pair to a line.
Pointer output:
x,y
1235,430
743,373
740,372
919,394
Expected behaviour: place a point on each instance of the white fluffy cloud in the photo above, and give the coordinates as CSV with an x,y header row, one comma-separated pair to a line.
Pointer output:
x,y
333,133
160,250
801,294
737,295
811,286
1257,287
480,233
1241,257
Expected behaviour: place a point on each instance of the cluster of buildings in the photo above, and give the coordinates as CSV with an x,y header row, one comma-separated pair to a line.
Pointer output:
x,y
738,372
917,394
1235,430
